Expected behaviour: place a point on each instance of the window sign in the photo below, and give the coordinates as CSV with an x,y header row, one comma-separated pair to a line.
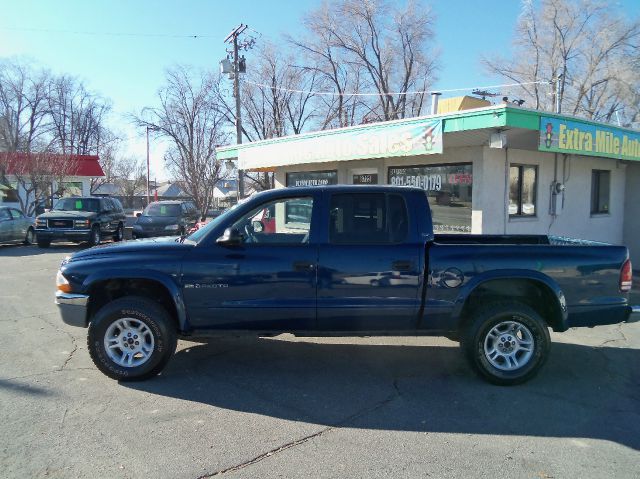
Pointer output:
x,y
312,178
366,179
449,188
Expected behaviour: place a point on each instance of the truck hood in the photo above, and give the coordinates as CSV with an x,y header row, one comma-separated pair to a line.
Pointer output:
x,y
164,245
68,215
146,221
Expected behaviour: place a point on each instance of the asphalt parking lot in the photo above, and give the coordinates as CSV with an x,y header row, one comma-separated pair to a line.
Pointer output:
x,y
300,407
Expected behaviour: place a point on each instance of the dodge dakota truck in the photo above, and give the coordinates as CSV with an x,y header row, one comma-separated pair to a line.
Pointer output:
x,y
340,260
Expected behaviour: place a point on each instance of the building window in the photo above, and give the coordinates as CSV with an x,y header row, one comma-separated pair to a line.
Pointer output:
x,y
71,188
449,188
522,190
600,186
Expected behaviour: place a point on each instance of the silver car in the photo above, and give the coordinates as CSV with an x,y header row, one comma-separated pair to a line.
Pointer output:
x,y
15,226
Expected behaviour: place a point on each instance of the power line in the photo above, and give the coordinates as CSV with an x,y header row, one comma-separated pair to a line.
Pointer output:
x,y
332,93
110,34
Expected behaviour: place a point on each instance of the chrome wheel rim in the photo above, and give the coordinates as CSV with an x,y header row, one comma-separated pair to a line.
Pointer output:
x,y
96,236
509,346
30,236
129,342
120,233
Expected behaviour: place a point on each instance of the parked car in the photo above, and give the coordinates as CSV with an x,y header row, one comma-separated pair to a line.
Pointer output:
x,y
15,227
498,295
165,218
79,219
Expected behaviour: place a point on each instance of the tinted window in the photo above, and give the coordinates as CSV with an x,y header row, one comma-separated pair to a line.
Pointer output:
x,y
116,204
4,214
107,205
162,210
367,218
77,204
16,214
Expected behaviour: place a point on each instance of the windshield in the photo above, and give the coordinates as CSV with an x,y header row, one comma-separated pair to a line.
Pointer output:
x,y
162,210
202,232
78,204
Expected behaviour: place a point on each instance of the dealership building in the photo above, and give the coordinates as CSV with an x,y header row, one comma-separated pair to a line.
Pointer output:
x,y
498,169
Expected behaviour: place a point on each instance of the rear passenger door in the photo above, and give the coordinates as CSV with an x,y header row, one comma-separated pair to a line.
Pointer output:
x,y
369,266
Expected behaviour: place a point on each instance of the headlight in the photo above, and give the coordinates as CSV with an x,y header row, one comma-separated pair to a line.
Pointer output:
x,y
41,223
82,223
61,283
171,227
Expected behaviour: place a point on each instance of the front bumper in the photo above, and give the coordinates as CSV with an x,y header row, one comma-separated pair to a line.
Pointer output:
x,y
73,308
67,234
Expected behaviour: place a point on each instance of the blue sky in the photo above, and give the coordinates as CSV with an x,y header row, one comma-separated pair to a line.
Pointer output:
x,y
129,69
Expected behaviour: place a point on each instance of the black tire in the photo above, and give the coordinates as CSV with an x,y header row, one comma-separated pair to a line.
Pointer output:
x,y
95,236
29,239
139,311
503,368
119,234
43,243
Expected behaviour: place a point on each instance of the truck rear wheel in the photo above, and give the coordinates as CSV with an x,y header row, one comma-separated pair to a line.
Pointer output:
x,y
131,339
506,343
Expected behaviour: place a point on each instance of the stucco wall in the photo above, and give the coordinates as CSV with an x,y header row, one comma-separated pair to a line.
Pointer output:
x,y
574,218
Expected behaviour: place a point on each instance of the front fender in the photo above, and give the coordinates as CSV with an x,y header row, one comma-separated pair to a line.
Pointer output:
x,y
513,274
166,280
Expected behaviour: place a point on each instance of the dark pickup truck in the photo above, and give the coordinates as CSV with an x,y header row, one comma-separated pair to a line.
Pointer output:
x,y
340,260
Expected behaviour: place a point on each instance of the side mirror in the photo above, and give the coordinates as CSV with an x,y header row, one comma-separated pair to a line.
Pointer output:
x,y
257,226
230,237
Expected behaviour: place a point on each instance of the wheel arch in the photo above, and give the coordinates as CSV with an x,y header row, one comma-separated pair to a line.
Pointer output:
x,y
536,290
107,286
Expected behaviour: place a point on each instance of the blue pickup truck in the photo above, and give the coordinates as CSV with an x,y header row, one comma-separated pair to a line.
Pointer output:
x,y
340,260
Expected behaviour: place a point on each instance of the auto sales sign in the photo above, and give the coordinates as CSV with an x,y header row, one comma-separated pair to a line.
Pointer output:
x,y
581,138
371,141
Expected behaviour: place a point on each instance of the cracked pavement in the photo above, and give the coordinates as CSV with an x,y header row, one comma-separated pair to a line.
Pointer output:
x,y
304,407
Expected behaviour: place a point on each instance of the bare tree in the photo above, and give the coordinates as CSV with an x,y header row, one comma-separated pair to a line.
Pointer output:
x,y
373,45
23,106
586,47
190,117
129,175
77,117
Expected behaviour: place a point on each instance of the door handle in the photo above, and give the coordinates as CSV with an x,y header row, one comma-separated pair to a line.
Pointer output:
x,y
402,266
302,266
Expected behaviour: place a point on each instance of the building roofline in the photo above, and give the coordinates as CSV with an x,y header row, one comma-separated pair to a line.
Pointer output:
x,y
494,116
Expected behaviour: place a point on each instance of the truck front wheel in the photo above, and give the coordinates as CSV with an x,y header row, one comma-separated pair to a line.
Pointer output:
x,y
506,343
131,339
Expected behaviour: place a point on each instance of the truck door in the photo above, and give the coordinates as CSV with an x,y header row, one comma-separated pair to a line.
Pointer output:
x,y
266,283
370,266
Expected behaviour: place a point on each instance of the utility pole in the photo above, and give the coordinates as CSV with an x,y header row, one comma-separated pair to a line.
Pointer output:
x,y
233,38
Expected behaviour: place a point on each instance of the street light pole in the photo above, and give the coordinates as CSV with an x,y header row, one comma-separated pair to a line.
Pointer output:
x,y
236,89
233,38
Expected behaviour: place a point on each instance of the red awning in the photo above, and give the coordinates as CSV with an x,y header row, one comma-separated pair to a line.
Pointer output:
x,y
71,165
